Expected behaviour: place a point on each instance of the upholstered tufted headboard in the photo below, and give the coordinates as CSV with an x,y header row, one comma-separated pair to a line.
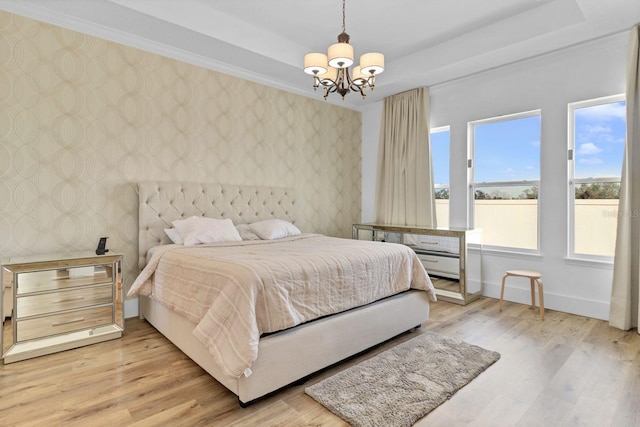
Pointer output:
x,y
162,202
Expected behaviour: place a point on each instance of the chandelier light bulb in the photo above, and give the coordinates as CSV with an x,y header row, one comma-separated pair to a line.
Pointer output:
x,y
340,55
359,78
372,63
329,78
315,63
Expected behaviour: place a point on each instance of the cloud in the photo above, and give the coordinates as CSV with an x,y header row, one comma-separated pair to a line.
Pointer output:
x,y
588,149
599,128
591,161
535,143
508,172
598,123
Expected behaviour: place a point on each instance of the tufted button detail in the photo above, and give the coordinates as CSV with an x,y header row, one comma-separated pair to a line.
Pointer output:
x,y
246,204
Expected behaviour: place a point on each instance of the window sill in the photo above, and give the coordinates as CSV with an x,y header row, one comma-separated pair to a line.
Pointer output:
x,y
512,253
586,262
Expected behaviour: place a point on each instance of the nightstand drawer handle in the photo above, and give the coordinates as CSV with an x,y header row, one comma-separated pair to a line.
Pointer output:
x,y
430,260
65,322
70,299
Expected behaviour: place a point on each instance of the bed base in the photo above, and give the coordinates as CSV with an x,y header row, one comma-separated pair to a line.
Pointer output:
x,y
289,356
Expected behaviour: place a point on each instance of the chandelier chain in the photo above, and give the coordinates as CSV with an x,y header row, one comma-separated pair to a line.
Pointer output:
x,y
343,14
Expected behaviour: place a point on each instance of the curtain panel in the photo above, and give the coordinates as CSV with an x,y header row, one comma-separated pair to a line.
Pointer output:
x,y
404,182
625,290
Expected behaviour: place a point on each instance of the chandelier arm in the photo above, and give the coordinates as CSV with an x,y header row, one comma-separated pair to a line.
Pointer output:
x,y
371,81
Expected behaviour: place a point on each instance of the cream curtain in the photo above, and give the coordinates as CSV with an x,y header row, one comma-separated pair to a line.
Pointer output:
x,y
404,184
626,268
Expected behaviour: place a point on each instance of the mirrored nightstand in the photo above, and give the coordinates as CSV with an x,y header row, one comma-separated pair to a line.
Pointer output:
x,y
451,256
61,301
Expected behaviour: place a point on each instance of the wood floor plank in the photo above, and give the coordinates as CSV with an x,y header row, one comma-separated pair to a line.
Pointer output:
x,y
564,371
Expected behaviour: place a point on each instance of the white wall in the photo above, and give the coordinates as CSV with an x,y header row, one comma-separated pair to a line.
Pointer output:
x,y
548,83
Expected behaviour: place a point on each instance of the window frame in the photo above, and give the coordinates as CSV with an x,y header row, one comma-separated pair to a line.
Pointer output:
x,y
572,180
472,184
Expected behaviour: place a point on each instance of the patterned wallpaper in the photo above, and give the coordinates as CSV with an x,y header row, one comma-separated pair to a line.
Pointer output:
x,y
83,119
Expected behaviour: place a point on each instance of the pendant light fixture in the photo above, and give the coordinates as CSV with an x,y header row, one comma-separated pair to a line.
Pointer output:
x,y
332,73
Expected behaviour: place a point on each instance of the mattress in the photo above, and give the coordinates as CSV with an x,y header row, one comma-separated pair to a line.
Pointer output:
x,y
236,291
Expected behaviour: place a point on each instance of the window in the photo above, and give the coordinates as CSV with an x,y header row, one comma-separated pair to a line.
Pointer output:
x,y
439,138
506,179
597,130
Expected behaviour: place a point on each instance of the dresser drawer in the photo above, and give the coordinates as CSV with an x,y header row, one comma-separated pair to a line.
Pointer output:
x,y
39,327
51,280
447,266
52,302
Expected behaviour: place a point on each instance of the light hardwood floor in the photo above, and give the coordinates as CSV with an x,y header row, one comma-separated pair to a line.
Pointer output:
x,y
564,371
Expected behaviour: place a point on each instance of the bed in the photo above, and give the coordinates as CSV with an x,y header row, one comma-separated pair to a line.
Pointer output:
x,y
281,356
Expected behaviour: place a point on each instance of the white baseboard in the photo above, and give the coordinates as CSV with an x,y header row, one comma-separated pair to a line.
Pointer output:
x,y
564,303
131,308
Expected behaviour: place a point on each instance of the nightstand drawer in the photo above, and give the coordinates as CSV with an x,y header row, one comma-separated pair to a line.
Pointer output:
x,y
61,323
449,266
52,302
51,280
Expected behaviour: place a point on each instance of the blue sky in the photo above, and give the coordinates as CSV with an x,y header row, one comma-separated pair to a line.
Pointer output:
x,y
507,150
599,140
440,156
510,150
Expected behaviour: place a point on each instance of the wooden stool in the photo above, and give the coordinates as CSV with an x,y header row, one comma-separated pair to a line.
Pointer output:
x,y
534,277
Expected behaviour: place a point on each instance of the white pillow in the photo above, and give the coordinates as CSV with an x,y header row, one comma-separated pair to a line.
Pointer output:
x,y
173,235
270,229
245,232
200,230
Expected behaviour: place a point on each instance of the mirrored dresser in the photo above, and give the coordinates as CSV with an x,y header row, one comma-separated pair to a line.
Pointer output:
x,y
59,302
451,256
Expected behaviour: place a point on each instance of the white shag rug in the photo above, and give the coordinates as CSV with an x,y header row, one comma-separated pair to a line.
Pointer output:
x,y
401,385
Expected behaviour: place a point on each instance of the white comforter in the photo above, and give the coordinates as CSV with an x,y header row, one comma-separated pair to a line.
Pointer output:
x,y
236,291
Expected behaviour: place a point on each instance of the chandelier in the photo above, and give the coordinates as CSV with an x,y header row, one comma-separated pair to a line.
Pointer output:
x,y
331,71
